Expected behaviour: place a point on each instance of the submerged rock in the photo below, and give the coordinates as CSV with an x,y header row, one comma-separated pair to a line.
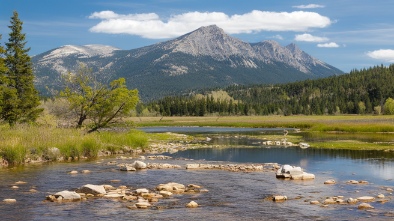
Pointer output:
x,y
9,200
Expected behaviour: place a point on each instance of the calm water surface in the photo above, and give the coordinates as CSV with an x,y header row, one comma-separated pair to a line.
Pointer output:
x,y
231,196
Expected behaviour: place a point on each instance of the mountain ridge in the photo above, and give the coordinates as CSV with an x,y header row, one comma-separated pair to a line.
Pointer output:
x,y
206,57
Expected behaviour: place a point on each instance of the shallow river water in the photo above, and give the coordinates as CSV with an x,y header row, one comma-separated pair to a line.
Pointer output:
x,y
231,196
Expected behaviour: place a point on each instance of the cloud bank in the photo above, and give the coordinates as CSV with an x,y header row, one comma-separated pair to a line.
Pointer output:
x,y
310,38
382,54
150,25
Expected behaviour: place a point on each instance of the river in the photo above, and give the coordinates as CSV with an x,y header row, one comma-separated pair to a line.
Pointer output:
x,y
231,196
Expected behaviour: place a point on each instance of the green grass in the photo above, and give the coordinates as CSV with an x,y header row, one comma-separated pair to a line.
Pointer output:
x,y
21,142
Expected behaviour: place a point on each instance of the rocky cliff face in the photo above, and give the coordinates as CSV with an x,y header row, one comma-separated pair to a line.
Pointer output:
x,y
206,57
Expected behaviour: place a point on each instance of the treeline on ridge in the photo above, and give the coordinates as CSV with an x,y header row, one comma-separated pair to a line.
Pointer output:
x,y
365,91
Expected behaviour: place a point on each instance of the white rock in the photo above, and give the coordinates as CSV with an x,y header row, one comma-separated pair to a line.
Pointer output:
x,y
68,195
192,166
366,199
192,204
139,165
9,200
365,206
92,189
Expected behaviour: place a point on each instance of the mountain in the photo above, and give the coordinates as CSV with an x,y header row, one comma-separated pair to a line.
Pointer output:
x,y
204,58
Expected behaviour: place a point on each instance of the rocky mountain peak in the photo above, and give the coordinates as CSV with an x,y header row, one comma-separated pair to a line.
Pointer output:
x,y
211,41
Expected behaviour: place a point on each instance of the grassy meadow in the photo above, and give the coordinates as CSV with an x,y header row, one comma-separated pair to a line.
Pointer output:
x,y
33,142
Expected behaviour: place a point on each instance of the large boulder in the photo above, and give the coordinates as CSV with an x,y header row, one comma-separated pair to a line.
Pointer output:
x,y
292,172
139,165
92,189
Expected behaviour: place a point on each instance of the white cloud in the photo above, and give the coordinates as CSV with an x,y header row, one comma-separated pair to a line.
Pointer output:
x,y
310,38
382,54
309,6
151,26
328,45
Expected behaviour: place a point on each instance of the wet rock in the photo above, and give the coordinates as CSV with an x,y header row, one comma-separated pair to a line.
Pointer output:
x,y
114,195
20,182
9,200
330,200
329,182
139,165
365,206
389,189
143,205
92,189
366,199
68,195
141,191
85,171
279,198
381,196
171,187
314,202
14,187
352,182
351,201
165,193
127,167
192,204
292,172
193,166
73,172
304,176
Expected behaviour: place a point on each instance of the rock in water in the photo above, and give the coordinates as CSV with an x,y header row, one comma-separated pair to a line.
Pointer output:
x,y
92,189
139,165
192,204
68,195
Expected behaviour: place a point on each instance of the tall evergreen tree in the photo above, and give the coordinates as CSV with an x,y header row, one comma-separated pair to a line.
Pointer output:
x,y
3,69
21,98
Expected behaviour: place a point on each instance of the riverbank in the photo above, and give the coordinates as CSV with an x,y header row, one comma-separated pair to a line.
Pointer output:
x,y
29,144
326,123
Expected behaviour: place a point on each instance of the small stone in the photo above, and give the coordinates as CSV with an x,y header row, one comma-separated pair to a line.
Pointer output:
x,y
9,200
329,182
73,172
143,205
366,199
330,200
20,182
33,191
192,204
165,193
15,187
352,182
380,196
389,190
351,201
363,182
314,202
279,198
365,206
85,171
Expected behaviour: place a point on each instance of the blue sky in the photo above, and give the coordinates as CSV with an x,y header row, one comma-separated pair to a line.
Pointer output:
x,y
346,34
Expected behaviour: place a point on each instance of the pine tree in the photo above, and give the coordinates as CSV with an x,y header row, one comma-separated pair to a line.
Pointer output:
x,y
3,69
21,98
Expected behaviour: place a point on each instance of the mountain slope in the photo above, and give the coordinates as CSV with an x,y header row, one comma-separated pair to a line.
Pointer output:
x,y
206,57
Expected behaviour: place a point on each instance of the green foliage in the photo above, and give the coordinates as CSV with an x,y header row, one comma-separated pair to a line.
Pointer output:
x,y
20,99
355,93
90,147
132,139
13,154
389,106
94,101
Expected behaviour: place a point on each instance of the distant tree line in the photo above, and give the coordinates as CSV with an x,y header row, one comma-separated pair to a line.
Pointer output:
x,y
366,91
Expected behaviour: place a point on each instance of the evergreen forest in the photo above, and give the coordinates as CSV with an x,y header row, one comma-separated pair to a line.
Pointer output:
x,y
366,91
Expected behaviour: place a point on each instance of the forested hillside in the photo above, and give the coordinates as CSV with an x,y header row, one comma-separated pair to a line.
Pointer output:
x,y
359,92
